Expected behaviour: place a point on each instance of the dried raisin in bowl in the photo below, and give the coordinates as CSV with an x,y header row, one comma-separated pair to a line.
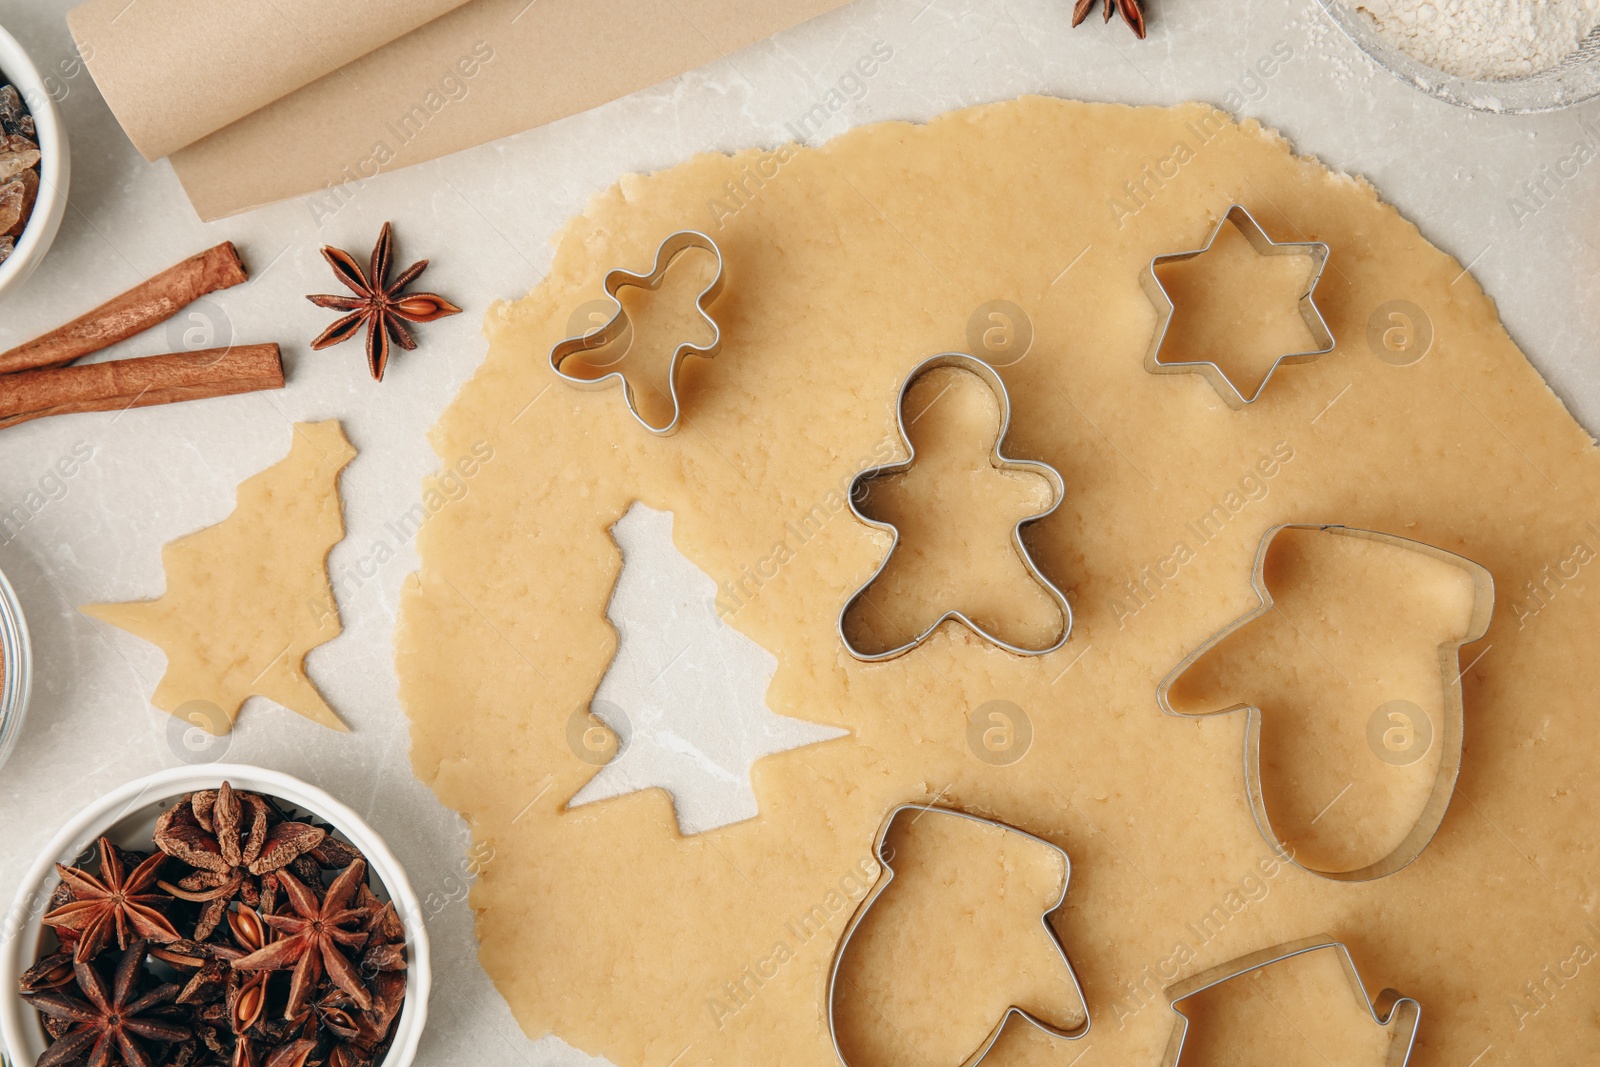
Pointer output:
x,y
127,816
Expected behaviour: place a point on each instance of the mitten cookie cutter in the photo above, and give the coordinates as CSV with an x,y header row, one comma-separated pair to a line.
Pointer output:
x,y
1391,1008
859,491
1453,711
883,883
622,326
1247,225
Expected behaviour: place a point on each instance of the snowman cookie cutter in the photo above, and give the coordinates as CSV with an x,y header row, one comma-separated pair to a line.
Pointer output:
x,y
1453,711
859,491
885,860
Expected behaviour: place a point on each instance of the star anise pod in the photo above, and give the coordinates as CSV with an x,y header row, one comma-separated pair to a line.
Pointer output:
x,y
112,903
379,304
1132,12
50,972
226,835
105,1021
310,939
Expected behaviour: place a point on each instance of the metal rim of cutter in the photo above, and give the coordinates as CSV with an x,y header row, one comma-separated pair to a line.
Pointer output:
x,y
888,877
1390,1007
999,461
1247,225
1453,711
621,325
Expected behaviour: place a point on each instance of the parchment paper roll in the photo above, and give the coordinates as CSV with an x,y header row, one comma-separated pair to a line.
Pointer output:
x,y
256,102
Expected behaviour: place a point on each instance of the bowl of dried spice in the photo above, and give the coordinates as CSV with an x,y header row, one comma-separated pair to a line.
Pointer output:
x,y
34,166
217,914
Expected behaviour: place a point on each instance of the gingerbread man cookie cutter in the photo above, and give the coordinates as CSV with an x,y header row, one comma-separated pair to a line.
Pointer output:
x,y
1390,1009
885,860
621,326
1246,224
859,491
1453,712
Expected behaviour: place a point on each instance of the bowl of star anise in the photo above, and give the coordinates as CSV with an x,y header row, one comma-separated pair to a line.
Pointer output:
x,y
215,915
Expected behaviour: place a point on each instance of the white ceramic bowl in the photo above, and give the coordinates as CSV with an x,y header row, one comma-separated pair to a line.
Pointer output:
x,y
55,166
127,815
17,670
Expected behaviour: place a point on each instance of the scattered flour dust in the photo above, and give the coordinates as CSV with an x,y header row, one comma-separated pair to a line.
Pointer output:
x,y
1485,39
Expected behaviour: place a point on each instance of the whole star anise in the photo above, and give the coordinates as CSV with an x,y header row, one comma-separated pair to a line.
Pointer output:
x,y
231,842
112,903
1132,12
105,1022
379,304
310,939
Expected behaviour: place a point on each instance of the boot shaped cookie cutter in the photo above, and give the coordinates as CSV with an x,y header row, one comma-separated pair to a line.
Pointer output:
x,y
1390,1009
1246,224
1453,711
859,491
883,882
621,326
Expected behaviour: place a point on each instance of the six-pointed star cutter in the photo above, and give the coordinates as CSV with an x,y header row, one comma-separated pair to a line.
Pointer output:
x,y
885,859
621,326
1246,224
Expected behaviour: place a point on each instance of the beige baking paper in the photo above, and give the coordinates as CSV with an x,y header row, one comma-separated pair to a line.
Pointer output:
x,y
260,102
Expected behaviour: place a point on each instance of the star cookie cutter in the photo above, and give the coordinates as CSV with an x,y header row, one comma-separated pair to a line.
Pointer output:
x,y
1453,712
1246,224
622,326
999,461
1390,1009
884,860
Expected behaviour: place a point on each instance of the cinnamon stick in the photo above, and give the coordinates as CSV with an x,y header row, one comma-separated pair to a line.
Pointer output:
x,y
138,383
146,304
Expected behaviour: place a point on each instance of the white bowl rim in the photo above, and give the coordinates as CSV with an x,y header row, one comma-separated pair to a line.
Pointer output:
x,y
85,827
17,684
55,166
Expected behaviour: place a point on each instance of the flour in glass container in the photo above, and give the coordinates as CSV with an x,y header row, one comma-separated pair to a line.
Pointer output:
x,y
1485,39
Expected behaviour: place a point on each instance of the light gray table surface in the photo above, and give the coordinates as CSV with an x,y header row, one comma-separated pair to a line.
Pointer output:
x,y
485,217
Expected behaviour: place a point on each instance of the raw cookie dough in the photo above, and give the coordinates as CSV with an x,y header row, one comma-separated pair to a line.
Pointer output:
x,y
848,264
247,598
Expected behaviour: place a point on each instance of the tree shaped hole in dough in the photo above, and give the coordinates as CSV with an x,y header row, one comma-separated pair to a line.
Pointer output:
x,y
684,696
955,513
247,598
953,943
1298,1012
1236,308
658,322
1345,669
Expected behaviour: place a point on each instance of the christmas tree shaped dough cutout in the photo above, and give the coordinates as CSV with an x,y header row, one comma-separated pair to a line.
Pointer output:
x,y
685,692
247,598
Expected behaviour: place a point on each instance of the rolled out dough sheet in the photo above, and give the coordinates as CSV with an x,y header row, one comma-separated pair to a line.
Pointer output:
x,y
847,265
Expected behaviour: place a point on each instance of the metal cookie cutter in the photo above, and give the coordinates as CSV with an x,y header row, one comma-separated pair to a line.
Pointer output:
x,y
888,877
1246,224
621,326
859,491
1453,712
1390,1009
